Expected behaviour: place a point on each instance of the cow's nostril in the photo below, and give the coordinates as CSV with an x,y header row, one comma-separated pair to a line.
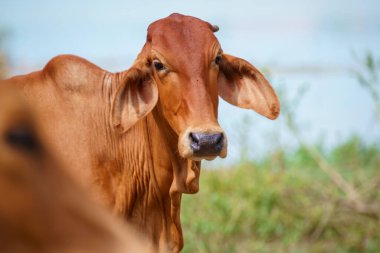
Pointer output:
x,y
194,138
219,139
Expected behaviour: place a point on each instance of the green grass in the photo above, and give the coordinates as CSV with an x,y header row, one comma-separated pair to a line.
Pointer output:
x,y
285,203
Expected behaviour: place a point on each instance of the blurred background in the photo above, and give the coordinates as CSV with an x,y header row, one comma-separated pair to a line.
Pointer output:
x,y
307,182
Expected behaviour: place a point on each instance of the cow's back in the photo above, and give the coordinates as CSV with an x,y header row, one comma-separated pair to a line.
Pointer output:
x,y
66,96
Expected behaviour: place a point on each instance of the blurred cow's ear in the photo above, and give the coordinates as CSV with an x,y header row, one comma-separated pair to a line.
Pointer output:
x,y
136,96
242,85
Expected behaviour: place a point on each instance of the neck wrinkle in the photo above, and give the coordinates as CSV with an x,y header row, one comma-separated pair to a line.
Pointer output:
x,y
141,168
170,139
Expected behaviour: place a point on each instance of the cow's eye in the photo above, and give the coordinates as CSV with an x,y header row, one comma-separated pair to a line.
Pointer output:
x,y
22,138
218,59
158,65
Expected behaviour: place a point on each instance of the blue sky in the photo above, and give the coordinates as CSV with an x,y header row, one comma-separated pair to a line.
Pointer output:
x,y
292,37
267,31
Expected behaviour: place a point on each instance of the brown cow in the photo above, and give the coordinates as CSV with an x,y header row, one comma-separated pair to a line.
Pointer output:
x,y
137,137
41,209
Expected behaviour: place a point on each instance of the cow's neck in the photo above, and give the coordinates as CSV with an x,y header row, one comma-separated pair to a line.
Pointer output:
x,y
143,178
175,174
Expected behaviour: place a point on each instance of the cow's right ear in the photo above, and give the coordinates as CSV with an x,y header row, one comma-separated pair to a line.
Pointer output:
x,y
135,97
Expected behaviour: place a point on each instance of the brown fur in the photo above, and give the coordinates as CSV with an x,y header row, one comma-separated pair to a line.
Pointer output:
x,y
126,135
42,209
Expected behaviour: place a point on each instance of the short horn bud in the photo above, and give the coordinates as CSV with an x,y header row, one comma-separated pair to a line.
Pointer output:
x,y
215,28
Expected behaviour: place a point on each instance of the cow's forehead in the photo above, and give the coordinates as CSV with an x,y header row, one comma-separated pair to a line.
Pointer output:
x,y
183,33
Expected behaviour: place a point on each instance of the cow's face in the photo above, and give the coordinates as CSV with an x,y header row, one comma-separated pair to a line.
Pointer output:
x,y
184,61
184,55
20,161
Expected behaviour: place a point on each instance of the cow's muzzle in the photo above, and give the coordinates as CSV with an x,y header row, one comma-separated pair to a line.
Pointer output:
x,y
204,144
198,143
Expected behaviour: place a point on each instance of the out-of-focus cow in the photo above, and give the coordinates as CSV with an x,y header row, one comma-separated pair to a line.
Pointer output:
x,y
138,137
41,209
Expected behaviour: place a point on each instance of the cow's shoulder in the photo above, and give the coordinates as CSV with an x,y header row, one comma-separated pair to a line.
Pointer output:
x,y
70,72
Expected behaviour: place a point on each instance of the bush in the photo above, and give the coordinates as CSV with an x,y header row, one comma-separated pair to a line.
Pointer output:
x,y
253,208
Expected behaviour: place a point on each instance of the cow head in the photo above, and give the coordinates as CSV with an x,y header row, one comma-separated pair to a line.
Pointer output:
x,y
182,70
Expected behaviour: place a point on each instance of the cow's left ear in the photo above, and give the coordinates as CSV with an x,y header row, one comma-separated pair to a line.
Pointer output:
x,y
241,84
135,97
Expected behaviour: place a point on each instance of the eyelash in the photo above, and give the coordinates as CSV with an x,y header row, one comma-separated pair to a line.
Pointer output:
x,y
158,65
217,60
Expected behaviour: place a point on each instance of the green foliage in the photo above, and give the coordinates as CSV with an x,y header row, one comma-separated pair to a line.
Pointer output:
x,y
255,208
367,74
